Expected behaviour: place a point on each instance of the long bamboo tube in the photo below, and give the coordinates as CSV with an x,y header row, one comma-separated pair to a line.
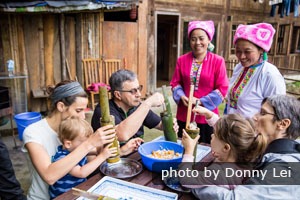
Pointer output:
x,y
189,112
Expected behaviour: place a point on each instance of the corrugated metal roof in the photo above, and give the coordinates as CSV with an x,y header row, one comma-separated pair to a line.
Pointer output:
x,y
62,6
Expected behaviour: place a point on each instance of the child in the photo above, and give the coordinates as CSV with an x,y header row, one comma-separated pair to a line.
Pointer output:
x,y
234,144
72,132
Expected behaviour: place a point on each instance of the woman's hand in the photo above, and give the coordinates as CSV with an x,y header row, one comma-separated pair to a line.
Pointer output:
x,y
185,100
130,146
102,136
189,143
175,125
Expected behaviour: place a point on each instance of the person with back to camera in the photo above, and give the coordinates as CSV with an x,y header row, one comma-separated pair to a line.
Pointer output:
x,y
203,69
72,132
41,140
10,187
131,114
253,78
279,121
235,144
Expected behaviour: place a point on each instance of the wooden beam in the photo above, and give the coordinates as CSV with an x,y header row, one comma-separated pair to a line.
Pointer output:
x,y
21,46
78,48
49,44
62,46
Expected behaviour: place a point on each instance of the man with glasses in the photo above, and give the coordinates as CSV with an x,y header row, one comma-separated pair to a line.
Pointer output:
x,y
130,112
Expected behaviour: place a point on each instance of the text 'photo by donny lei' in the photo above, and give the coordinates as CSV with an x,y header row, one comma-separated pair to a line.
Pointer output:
x,y
276,173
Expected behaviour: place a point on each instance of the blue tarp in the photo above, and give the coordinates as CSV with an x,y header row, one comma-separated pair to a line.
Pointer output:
x,y
60,4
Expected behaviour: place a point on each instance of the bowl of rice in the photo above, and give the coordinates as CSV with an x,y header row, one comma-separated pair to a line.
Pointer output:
x,y
161,155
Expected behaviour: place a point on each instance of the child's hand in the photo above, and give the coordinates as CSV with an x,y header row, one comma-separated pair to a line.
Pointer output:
x,y
109,152
200,110
189,143
175,125
130,146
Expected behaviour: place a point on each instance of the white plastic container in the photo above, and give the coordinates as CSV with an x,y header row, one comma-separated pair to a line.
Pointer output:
x,y
10,67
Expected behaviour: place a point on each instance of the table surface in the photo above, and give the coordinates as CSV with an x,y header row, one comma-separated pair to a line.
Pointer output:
x,y
146,178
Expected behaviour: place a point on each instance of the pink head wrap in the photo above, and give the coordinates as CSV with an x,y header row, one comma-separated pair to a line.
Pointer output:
x,y
207,26
260,34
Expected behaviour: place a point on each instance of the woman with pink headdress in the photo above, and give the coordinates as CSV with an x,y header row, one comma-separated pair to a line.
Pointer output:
x,y
253,78
203,69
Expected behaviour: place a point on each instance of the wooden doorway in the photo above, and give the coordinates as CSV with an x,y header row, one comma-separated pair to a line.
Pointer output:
x,y
167,46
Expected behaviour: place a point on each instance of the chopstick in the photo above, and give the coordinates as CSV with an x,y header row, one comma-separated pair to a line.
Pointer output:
x,y
83,193
189,112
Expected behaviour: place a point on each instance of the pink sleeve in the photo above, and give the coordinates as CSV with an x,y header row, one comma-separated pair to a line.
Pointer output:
x,y
187,158
213,120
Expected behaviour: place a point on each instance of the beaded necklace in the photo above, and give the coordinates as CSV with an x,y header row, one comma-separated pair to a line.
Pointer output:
x,y
195,73
240,83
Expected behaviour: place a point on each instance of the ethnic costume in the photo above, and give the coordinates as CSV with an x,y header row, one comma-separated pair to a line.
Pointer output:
x,y
210,81
249,86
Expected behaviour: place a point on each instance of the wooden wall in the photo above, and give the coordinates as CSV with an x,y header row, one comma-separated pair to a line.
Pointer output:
x,y
226,14
49,47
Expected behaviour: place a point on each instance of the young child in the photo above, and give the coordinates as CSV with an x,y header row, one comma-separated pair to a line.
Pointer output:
x,y
234,143
72,132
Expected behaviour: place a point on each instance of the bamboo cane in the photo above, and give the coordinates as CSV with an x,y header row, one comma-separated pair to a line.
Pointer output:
x,y
189,112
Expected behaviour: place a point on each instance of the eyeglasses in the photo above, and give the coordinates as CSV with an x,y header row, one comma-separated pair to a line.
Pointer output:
x,y
263,112
133,91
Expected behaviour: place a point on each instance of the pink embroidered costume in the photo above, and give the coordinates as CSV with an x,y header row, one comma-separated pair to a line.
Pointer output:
x,y
250,85
209,78
211,84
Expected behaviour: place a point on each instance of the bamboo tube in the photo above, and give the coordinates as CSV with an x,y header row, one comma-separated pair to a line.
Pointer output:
x,y
167,119
104,104
107,119
189,112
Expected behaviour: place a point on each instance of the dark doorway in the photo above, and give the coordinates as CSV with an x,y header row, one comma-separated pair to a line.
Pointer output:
x,y
167,46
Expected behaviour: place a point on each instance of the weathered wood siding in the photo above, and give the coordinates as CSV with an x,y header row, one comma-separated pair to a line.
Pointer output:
x,y
49,47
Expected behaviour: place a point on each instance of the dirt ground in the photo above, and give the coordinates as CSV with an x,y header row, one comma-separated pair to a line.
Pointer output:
x,y
19,161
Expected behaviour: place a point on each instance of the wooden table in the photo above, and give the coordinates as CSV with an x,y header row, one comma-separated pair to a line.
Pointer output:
x,y
146,178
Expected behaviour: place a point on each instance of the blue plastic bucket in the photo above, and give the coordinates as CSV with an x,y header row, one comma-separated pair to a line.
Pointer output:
x,y
25,119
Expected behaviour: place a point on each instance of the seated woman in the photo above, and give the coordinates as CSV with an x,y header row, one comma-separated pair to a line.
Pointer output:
x,y
41,140
279,121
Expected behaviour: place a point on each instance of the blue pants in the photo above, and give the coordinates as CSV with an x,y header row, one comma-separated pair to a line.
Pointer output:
x,y
284,8
296,7
10,188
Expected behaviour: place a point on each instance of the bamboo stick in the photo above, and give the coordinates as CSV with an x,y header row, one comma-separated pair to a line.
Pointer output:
x,y
189,112
104,104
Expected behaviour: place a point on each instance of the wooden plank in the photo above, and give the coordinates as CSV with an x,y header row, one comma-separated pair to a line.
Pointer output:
x,y
32,48
78,48
121,33
21,46
49,46
5,40
70,45
142,51
62,46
